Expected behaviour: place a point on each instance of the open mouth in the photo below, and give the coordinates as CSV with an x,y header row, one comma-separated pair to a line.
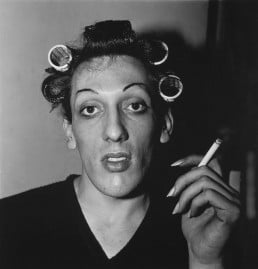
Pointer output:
x,y
114,159
116,162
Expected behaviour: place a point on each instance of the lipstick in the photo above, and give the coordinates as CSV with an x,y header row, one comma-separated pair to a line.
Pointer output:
x,y
116,162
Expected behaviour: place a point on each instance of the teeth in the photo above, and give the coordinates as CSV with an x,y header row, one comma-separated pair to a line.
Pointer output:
x,y
112,159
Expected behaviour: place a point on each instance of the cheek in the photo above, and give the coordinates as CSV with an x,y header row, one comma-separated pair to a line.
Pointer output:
x,y
143,136
86,139
145,130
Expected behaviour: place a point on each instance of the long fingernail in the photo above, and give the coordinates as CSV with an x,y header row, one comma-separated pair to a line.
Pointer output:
x,y
177,163
172,192
176,209
189,214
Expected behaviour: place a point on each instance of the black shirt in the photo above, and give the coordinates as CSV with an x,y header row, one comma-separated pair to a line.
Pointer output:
x,y
45,228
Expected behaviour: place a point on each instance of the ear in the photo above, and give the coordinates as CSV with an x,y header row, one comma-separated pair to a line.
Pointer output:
x,y
167,127
71,142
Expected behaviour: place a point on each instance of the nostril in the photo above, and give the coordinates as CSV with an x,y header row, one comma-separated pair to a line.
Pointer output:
x,y
115,130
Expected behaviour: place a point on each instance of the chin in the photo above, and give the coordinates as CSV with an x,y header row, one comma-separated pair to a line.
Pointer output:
x,y
120,187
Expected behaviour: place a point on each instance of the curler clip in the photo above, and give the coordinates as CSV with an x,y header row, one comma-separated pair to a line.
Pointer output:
x,y
170,87
162,49
52,94
54,89
60,57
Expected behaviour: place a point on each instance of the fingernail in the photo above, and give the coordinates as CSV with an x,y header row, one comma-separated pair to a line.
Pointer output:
x,y
177,163
176,209
189,214
172,192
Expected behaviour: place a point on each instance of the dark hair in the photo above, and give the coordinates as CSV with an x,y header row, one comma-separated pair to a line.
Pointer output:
x,y
106,38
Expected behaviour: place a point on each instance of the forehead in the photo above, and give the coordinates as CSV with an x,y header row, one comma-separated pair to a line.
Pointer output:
x,y
108,70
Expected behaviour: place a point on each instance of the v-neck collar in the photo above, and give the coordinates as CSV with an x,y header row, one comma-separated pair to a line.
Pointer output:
x,y
91,241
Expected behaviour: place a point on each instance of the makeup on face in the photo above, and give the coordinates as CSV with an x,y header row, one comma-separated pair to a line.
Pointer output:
x,y
116,161
113,124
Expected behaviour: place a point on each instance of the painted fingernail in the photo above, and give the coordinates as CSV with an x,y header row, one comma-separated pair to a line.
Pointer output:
x,y
172,192
177,163
189,214
176,209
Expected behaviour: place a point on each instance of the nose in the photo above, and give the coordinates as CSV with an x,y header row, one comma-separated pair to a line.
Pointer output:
x,y
115,129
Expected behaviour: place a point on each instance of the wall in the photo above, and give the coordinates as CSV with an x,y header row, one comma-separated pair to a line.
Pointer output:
x,y
32,144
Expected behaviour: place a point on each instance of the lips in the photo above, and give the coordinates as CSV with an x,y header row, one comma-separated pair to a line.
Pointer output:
x,y
116,162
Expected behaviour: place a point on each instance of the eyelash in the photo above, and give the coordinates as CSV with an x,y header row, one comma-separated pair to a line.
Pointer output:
x,y
88,115
142,105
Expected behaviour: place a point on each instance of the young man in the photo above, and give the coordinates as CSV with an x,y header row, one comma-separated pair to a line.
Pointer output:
x,y
116,115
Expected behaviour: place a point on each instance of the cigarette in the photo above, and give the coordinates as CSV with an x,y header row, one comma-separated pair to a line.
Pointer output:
x,y
210,153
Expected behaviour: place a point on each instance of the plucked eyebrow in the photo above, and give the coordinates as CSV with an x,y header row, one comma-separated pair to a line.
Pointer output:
x,y
86,90
141,84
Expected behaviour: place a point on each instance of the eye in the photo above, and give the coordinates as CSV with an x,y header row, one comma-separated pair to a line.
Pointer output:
x,y
89,111
137,107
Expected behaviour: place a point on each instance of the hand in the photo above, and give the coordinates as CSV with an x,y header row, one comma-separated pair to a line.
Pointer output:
x,y
209,209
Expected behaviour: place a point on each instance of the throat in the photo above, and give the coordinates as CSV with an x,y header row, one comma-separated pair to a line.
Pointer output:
x,y
113,239
114,236
113,226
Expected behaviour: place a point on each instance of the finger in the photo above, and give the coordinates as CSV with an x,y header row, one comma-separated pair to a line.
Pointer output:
x,y
235,180
185,180
215,166
194,160
199,186
226,210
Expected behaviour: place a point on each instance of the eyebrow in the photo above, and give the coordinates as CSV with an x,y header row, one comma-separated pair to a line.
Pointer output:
x,y
86,90
141,84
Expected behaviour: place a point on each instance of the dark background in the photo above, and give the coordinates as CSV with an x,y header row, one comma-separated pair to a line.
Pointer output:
x,y
221,100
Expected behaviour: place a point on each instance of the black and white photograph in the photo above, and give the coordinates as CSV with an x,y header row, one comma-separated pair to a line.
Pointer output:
x,y
129,134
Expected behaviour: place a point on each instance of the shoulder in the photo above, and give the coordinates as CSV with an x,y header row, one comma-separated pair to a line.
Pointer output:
x,y
34,214
30,220
33,204
36,195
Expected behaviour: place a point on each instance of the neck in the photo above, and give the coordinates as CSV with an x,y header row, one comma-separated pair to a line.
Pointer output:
x,y
109,209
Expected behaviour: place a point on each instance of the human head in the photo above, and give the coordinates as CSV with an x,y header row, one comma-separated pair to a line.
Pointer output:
x,y
108,38
112,58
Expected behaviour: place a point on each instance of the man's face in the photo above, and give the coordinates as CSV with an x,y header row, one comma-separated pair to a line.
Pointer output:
x,y
113,123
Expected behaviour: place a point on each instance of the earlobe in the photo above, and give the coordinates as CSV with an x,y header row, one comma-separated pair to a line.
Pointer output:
x,y
71,142
167,128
